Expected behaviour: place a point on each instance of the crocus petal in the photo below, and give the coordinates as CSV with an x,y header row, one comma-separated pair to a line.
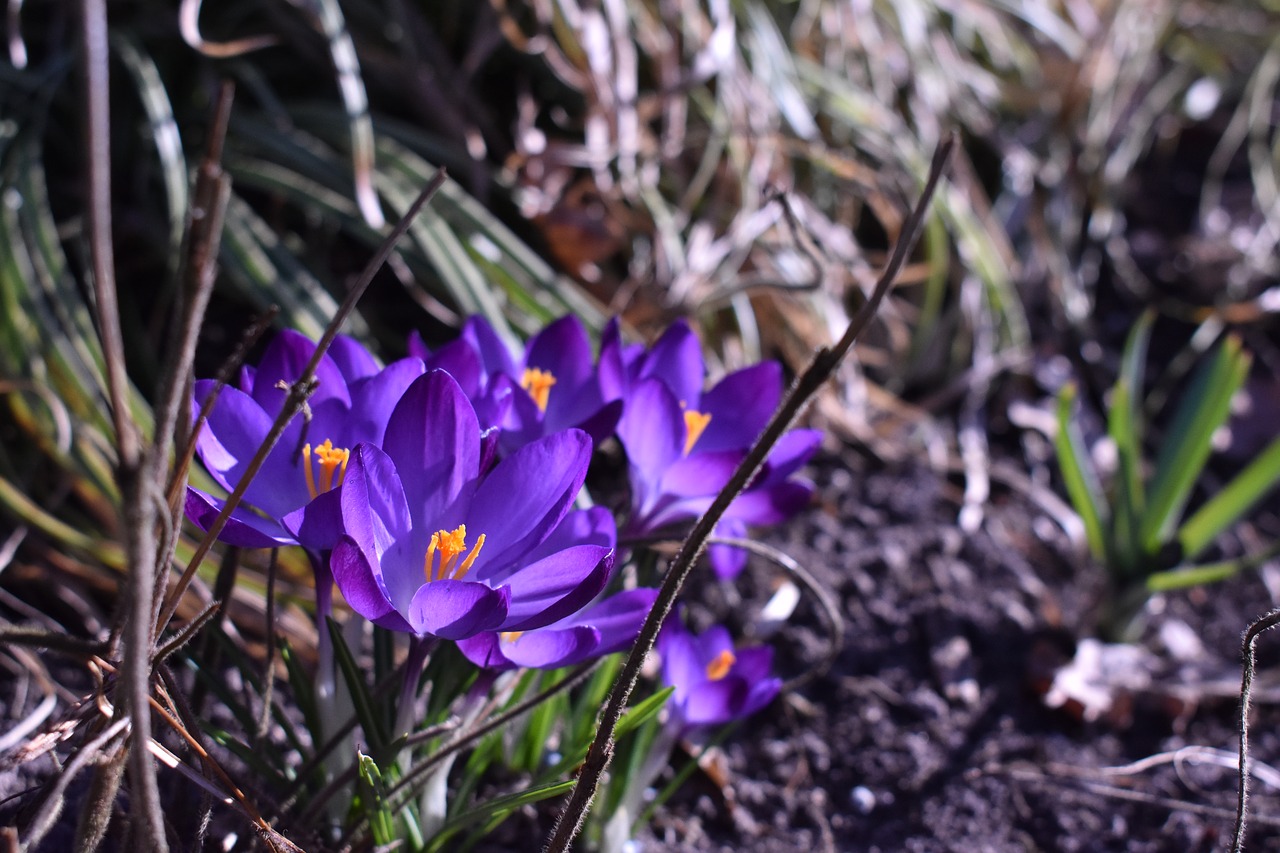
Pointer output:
x,y
361,585
701,474
495,356
485,651
740,406
230,439
284,361
594,526
728,561
771,505
712,643
715,702
564,349
318,524
552,588
602,423
418,347
489,449
434,437
612,370
676,359
373,400
681,666
652,431
376,516
759,694
244,528
548,649
352,358
793,450
618,618
375,512
523,421
753,664
526,495
494,406
462,362
453,609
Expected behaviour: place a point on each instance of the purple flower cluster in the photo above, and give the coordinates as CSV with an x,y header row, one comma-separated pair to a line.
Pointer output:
x,y
683,445
439,491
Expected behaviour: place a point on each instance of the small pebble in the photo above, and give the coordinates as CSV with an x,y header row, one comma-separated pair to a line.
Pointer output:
x,y
863,800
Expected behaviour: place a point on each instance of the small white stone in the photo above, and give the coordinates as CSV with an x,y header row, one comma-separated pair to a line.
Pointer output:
x,y
863,800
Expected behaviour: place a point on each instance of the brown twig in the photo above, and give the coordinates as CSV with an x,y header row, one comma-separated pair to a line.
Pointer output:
x,y
137,508
815,375
1249,652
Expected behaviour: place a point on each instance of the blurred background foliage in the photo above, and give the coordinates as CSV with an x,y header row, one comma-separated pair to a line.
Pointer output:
x,y
745,163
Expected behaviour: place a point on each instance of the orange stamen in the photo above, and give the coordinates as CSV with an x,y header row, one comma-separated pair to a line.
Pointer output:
x,y
450,545
720,665
538,383
332,460
694,424
510,636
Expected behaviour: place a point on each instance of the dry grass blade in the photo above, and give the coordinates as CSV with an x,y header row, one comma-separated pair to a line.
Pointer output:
x,y
90,752
189,25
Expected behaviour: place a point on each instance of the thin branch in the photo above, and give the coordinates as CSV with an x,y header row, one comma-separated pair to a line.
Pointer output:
x,y
188,632
1250,654
102,257
820,369
137,507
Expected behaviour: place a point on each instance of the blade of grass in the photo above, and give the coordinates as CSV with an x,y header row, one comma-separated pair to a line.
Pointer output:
x,y
497,806
1187,444
1078,476
375,729
1232,502
1124,426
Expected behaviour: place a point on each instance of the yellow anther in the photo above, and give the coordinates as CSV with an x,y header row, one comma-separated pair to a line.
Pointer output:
x,y
450,545
332,460
510,636
538,383
720,665
694,424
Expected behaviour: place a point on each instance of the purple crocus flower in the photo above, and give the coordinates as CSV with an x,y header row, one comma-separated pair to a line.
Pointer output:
x,y
683,445
291,500
437,544
607,626
714,682
554,386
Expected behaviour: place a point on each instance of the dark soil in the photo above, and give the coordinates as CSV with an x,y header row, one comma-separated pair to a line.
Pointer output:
x,y
930,731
